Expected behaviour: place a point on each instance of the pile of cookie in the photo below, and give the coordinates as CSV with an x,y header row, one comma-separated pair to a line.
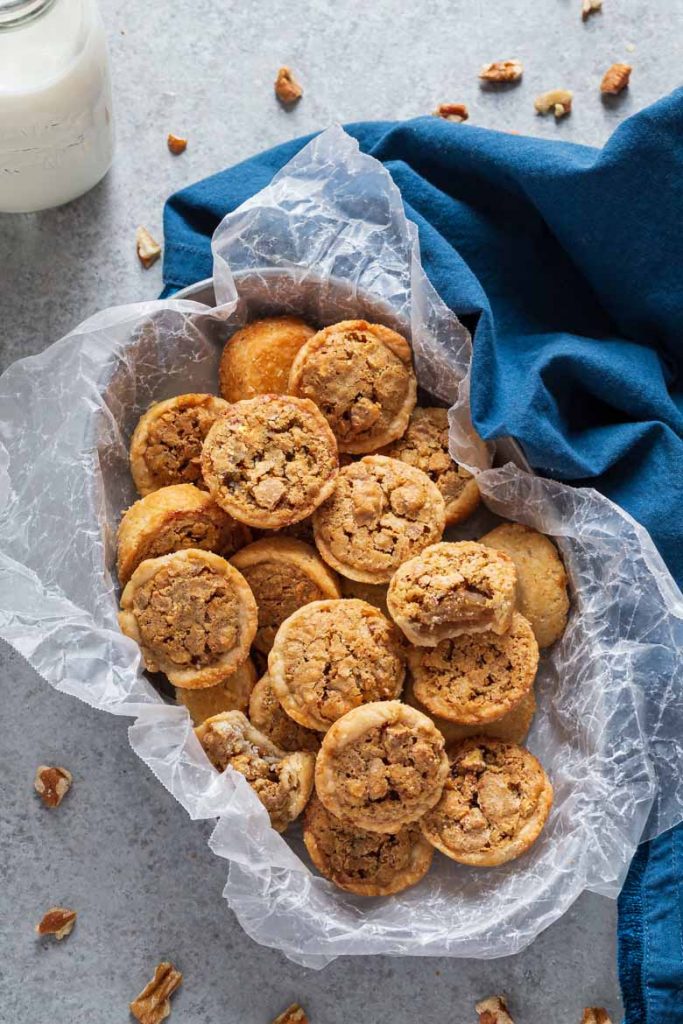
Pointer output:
x,y
285,569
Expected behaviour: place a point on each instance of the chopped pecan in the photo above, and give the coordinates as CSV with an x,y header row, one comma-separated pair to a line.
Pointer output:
x,y
589,7
154,1004
502,71
287,89
615,79
595,1015
559,101
52,784
58,921
493,1011
176,144
294,1014
452,112
148,248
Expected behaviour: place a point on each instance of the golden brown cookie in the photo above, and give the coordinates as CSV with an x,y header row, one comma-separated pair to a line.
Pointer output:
x,y
270,718
381,766
283,782
331,656
192,614
452,589
381,513
374,593
257,359
270,461
476,678
494,805
425,446
166,447
361,376
231,695
173,518
542,596
513,726
362,862
284,574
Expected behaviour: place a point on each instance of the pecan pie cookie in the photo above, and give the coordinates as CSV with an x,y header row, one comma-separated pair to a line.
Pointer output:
x,y
495,802
170,519
453,589
283,782
166,447
331,656
257,359
381,766
380,513
232,695
361,376
542,596
425,446
284,574
362,862
192,614
476,678
513,726
270,718
270,461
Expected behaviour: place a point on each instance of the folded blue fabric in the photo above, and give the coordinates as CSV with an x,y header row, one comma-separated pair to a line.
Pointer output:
x,y
565,261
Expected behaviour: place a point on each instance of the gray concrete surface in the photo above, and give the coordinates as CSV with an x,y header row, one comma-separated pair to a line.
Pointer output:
x,y
120,849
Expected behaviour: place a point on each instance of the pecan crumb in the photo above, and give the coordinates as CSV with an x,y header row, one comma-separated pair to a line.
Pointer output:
x,y
502,71
287,89
559,101
176,144
595,1015
52,784
58,921
294,1014
493,1011
589,7
452,112
148,248
153,1004
615,79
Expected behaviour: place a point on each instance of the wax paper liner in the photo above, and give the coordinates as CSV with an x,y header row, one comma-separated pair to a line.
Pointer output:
x,y
609,729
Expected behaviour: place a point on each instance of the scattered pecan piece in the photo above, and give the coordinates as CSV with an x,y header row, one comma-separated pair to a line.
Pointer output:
x,y
154,1004
595,1015
294,1014
493,1011
615,79
176,144
502,71
452,112
589,7
52,784
148,248
287,89
58,921
559,101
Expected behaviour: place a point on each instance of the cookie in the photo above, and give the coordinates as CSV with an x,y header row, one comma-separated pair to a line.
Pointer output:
x,y
171,519
374,593
284,575
476,678
362,862
283,782
361,376
269,717
192,614
381,766
381,513
166,446
257,359
495,803
425,446
331,656
270,461
231,695
453,589
542,595
513,726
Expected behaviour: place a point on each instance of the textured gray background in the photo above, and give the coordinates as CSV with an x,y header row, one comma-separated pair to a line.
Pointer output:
x,y
120,849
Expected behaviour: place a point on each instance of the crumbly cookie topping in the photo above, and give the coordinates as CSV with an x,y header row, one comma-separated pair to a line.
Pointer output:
x,y
174,444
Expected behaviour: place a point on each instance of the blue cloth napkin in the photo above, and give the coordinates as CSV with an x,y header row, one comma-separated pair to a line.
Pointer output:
x,y
566,263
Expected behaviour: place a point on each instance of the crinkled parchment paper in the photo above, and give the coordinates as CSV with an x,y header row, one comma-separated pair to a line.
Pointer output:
x,y
328,238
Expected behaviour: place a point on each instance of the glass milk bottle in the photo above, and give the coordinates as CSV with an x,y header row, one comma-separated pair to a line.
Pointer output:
x,y
56,131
